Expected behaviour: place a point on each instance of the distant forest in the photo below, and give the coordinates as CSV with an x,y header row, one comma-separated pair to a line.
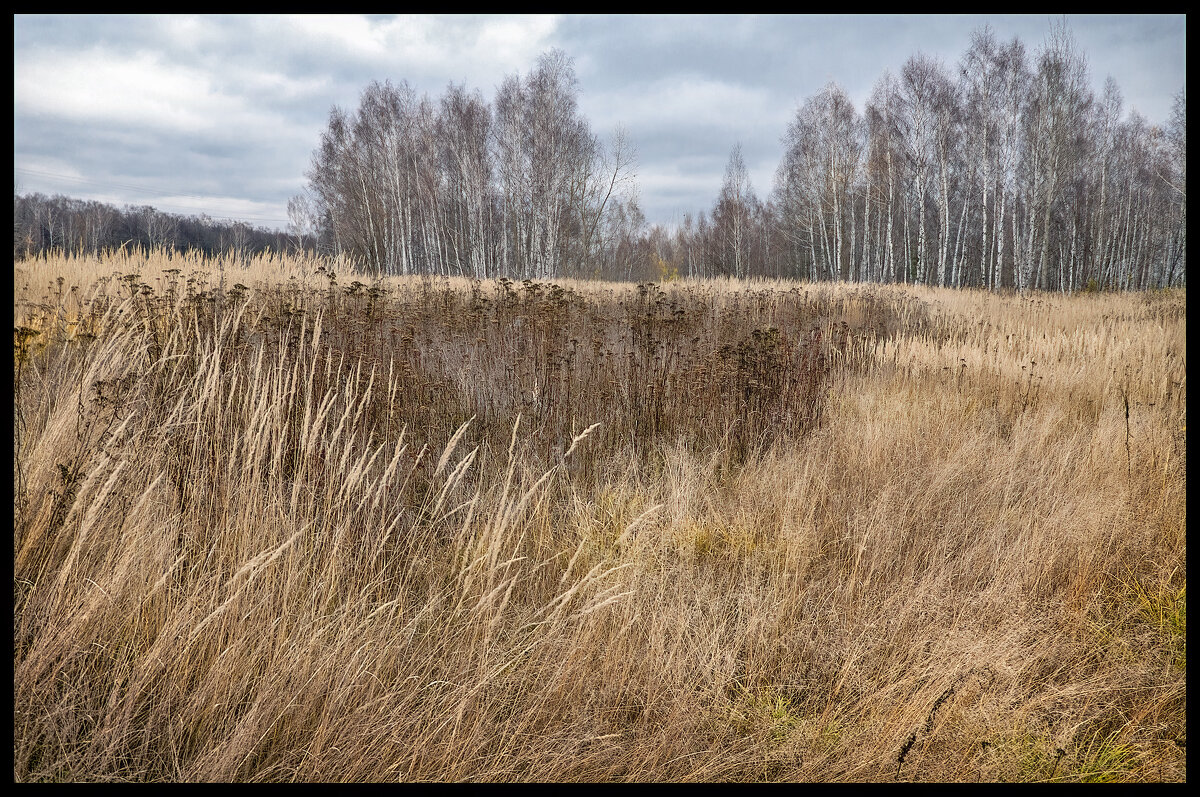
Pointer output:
x,y
75,226
1004,170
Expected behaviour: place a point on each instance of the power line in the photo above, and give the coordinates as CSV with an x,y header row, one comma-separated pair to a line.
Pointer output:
x,y
150,190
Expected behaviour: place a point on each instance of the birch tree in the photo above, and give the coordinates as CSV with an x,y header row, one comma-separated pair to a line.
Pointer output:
x,y
735,216
1057,115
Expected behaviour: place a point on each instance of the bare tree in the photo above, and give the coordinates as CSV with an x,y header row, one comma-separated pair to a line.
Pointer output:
x,y
464,124
924,90
734,215
1057,113
303,219
886,162
1014,79
1176,179
618,165
981,74
817,179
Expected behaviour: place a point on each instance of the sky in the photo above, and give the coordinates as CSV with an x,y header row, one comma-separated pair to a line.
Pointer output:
x,y
220,115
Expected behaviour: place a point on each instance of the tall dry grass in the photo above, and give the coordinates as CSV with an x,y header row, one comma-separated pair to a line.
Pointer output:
x,y
319,527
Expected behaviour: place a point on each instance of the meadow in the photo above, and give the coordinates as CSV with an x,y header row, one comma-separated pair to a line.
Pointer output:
x,y
275,520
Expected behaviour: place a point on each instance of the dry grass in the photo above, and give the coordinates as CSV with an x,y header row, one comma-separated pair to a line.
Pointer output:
x,y
333,529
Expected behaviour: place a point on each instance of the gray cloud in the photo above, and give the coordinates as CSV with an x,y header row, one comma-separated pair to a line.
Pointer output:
x,y
231,108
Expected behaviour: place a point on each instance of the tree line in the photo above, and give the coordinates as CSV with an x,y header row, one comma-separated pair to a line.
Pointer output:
x,y
1004,171
521,187
43,224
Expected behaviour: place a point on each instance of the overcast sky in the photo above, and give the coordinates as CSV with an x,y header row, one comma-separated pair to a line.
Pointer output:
x,y
221,114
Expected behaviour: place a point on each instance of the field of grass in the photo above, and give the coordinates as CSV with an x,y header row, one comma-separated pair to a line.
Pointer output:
x,y
277,521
